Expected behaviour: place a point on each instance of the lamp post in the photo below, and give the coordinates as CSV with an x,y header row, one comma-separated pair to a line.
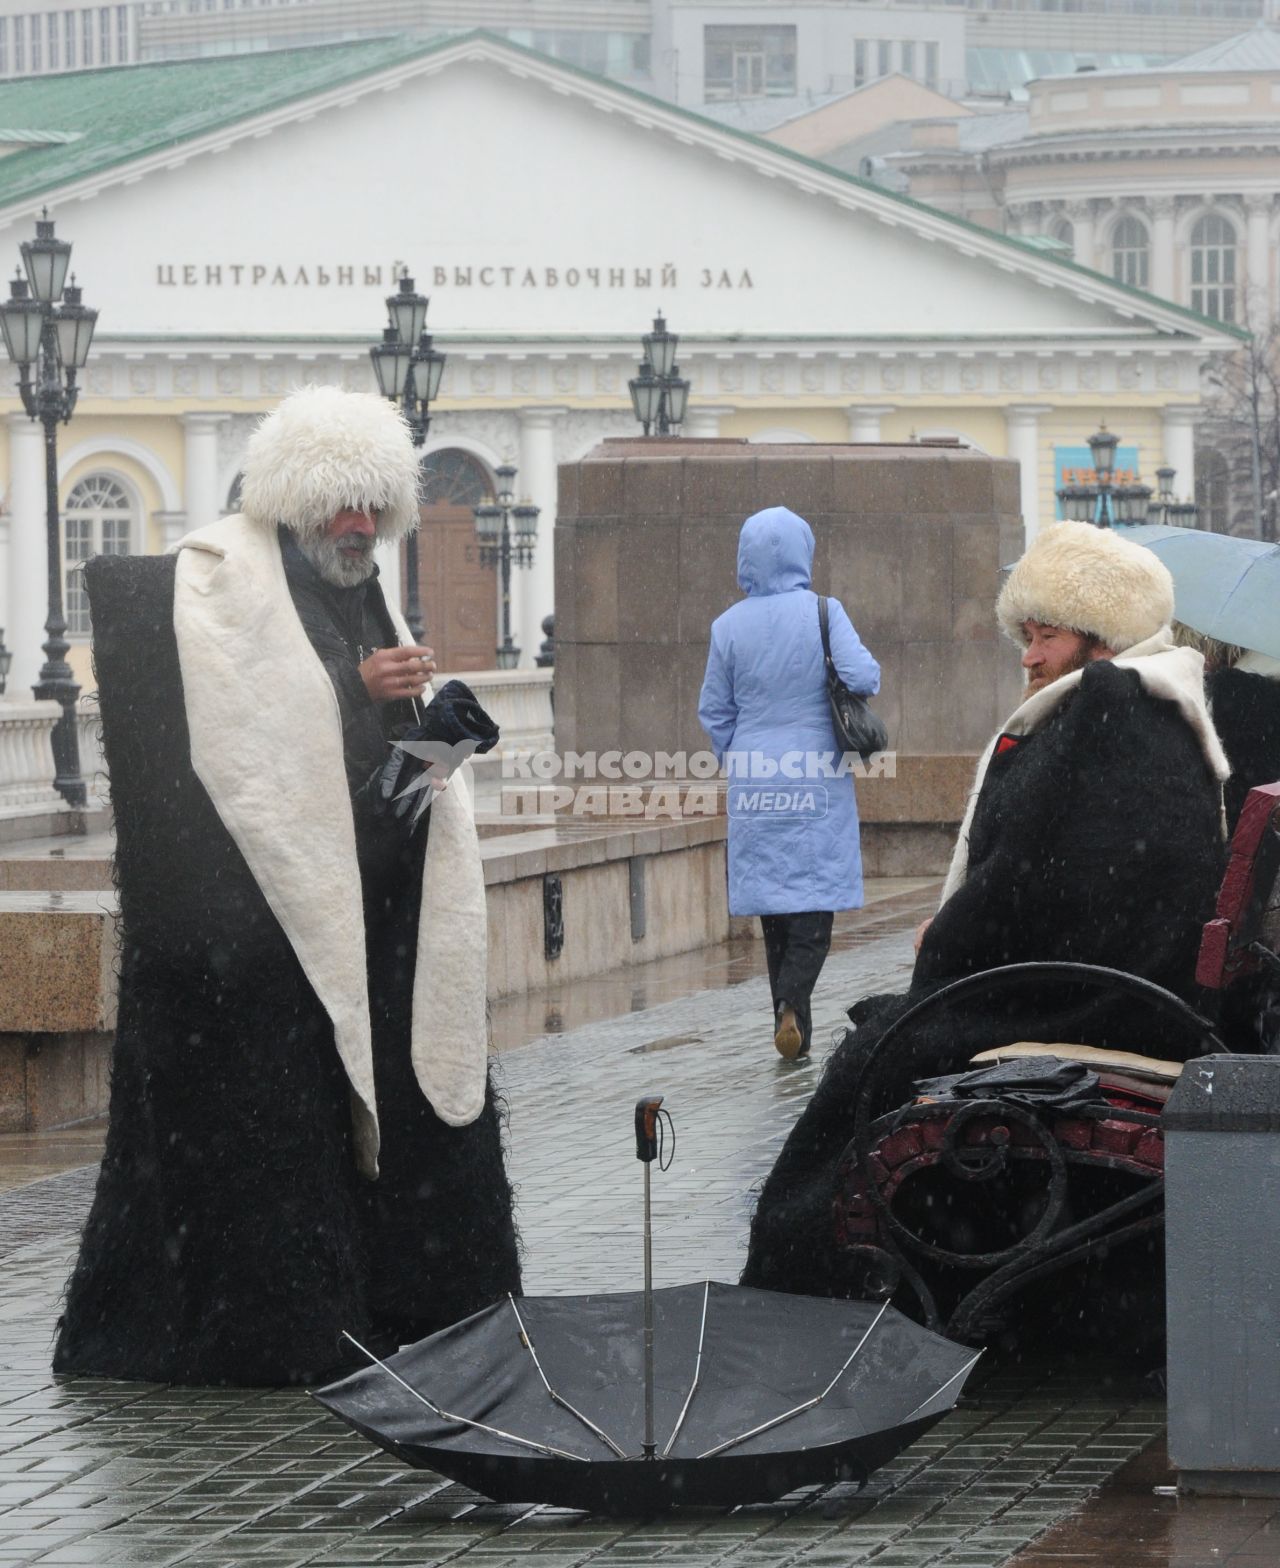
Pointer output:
x,y
409,367
6,661
47,330
506,531
659,394
1104,503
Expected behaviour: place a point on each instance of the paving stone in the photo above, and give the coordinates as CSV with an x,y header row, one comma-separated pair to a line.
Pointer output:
x,y
95,1472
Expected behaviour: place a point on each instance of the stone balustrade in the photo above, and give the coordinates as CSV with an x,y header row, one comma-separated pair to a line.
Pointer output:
x,y
26,756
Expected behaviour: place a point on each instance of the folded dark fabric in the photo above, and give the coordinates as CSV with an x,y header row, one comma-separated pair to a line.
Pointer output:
x,y
1037,1082
454,727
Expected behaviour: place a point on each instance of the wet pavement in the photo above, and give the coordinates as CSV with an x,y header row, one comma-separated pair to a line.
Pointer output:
x,y
100,1473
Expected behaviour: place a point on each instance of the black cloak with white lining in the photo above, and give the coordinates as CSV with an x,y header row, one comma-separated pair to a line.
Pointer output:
x,y
240,1221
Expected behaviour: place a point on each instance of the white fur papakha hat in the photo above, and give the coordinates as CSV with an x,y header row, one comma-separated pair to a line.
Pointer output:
x,y
323,451
1089,580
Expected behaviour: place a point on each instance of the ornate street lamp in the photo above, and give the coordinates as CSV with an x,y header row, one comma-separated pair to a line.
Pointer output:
x,y
659,394
47,332
1165,509
409,367
506,531
1106,503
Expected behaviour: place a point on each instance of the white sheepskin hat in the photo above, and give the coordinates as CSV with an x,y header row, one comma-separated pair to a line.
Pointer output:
x,y
324,450
1090,580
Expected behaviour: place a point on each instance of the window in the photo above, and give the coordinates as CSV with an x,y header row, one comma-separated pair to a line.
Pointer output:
x,y
1213,267
884,59
931,65
1064,231
4,46
1213,491
69,37
859,62
749,62
907,57
36,59
98,520
19,47
122,33
452,477
104,35
55,58
1131,252
86,36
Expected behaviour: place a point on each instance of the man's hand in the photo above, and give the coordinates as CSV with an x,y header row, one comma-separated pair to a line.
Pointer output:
x,y
920,931
395,673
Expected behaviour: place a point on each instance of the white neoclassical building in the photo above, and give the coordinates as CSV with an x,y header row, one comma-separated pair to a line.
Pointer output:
x,y
239,221
1166,178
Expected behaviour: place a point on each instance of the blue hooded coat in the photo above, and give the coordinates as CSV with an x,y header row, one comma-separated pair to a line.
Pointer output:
x,y
793,832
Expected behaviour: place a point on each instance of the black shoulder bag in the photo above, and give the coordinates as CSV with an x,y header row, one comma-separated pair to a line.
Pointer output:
x,y
858,730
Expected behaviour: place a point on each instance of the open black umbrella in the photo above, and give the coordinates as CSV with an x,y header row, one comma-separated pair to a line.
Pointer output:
x,y
627,1403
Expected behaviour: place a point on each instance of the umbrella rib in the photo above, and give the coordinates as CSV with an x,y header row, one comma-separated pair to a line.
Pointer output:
x,y
787,1415
558,1399
697,1374
448,1415
942,1388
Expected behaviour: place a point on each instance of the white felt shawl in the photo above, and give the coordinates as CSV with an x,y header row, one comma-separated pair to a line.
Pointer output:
x,y
266,742
1174,674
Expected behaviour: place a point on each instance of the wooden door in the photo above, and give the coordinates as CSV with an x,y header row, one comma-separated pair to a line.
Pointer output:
x,y
459,596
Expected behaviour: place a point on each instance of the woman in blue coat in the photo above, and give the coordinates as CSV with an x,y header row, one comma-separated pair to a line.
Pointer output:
x,y
794,856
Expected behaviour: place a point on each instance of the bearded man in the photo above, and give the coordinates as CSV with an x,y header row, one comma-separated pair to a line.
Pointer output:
x,y
303,1136
1093,834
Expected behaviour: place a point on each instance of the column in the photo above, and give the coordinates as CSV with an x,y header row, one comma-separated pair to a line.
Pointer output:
x,y
1161,212
1257,280
702,421
204,503
28,555
1081,215
172,526
1180,446
391,578
1022,426
864,420
533,592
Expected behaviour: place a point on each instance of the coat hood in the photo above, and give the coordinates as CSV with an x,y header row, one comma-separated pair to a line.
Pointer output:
x,y
324,450
1089,580
775,552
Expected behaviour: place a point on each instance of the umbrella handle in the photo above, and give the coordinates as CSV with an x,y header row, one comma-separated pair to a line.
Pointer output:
x,y
647,1108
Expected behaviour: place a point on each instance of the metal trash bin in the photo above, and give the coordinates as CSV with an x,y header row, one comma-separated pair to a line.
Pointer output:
x,y
1222,1267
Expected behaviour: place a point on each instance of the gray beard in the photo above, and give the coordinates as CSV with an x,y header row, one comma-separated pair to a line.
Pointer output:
x,y
325,555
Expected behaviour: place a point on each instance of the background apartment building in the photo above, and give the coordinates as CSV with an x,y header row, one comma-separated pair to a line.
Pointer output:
x,y
692,52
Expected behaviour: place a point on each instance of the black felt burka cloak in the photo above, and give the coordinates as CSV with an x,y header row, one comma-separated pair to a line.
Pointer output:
x,y
1096,838
231,1239
1246,715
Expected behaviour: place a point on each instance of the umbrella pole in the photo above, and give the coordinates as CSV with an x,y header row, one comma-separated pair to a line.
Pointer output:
x,y
647,1152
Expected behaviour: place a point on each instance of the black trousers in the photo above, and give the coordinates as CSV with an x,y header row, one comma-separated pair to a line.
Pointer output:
x,y
796,947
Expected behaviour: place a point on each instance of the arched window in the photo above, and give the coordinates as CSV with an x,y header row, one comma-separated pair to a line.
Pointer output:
x,y
1131,252
1213,491
1064,231
452,477
1213,267
98,520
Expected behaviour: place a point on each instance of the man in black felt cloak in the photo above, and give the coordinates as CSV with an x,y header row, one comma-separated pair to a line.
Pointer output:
x,y
1093,833
303,1136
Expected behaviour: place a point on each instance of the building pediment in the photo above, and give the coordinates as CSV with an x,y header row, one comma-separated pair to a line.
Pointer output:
x,y
530,200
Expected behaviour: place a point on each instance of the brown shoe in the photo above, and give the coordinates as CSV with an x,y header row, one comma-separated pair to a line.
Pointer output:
x,y
787,1038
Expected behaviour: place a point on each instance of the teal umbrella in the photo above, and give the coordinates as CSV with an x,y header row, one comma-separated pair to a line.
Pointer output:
x,y
1224,587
